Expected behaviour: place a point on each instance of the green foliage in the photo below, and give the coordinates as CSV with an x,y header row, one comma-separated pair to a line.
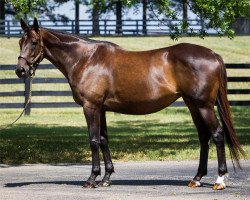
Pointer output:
x,y
246,10
24,7
216,14
35,8
220,14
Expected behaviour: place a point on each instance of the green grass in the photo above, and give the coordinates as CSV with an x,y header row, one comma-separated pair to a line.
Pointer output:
x,y
56,135
236,50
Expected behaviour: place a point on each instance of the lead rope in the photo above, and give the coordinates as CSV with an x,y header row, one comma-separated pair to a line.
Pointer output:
x,y
33,65
25,107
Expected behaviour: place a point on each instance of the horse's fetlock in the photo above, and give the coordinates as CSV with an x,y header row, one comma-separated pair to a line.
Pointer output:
x,y
222,169
96,170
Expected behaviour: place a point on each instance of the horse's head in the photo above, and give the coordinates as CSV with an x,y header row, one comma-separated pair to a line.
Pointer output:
x,y
32,49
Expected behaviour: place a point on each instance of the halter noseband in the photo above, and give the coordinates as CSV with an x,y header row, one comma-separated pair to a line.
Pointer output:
x,y
35,62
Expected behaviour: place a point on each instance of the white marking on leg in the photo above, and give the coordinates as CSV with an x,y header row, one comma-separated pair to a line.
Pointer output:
x,y
220,180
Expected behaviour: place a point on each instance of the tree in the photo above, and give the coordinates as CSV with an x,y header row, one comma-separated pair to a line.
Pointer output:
x,y
77,9
118,11
28,7
104,7
2,16
144,16
219,14
97,9
33,8
242,23
216,14
185,15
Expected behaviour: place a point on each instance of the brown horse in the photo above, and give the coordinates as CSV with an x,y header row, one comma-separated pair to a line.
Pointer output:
x,y
104,77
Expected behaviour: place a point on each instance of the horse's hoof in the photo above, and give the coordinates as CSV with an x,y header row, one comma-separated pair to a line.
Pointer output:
x,y
90,184
219,186
194,184
106,183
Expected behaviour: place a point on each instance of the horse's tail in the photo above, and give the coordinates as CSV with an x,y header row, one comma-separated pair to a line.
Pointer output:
x,y
226,118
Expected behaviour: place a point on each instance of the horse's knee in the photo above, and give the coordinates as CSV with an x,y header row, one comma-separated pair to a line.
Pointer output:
x,y
94,144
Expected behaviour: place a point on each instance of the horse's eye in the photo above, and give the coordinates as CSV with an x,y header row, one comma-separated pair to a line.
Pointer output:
x,y
34,44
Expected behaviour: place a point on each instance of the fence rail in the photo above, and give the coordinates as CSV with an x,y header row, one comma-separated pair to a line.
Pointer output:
x,y
51,93
11,28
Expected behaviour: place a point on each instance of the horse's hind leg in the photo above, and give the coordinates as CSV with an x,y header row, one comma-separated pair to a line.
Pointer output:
x,y
207,125
204,138
109,168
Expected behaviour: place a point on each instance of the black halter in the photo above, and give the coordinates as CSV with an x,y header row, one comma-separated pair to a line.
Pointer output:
x,y
35,62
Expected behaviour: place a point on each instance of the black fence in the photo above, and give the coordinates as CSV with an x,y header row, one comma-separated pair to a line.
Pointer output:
x,y
40,80
12,28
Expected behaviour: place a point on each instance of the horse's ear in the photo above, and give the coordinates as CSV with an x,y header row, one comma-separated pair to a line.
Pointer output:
x,y
24,26
35,25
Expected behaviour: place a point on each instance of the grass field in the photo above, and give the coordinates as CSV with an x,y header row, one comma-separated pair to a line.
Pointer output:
x,y
236,50
54,136
60,135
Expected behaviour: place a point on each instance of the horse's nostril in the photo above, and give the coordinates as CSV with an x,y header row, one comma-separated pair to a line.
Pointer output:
x,y
20,71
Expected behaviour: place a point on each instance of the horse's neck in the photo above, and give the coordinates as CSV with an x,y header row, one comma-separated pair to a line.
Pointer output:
x,y
63,52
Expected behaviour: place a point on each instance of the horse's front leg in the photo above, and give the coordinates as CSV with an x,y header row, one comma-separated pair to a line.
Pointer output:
x,y
92,115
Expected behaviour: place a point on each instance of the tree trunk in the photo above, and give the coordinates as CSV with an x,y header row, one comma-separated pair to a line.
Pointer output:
x,y
95,19
2,17
77,2
144,17
241,26
184,15
118,17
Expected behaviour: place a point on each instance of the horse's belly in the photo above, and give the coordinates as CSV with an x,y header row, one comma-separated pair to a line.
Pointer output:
x,y
140,107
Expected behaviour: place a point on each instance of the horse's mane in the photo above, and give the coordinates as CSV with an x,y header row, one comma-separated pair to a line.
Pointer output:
x,y
79,37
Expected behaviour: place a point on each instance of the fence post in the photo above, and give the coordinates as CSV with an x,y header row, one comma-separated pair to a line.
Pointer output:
x,y
26,95
137,27
8,29
105,27
72,27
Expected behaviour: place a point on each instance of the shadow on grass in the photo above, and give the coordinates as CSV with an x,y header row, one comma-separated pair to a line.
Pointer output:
x,y
64,144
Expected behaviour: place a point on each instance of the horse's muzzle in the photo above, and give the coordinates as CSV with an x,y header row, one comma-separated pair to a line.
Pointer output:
x,y
21,72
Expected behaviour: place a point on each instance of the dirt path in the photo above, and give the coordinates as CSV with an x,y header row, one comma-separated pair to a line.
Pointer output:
x,y
132,180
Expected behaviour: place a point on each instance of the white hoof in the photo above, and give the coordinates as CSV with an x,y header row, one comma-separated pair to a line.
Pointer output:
x,y
219,184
